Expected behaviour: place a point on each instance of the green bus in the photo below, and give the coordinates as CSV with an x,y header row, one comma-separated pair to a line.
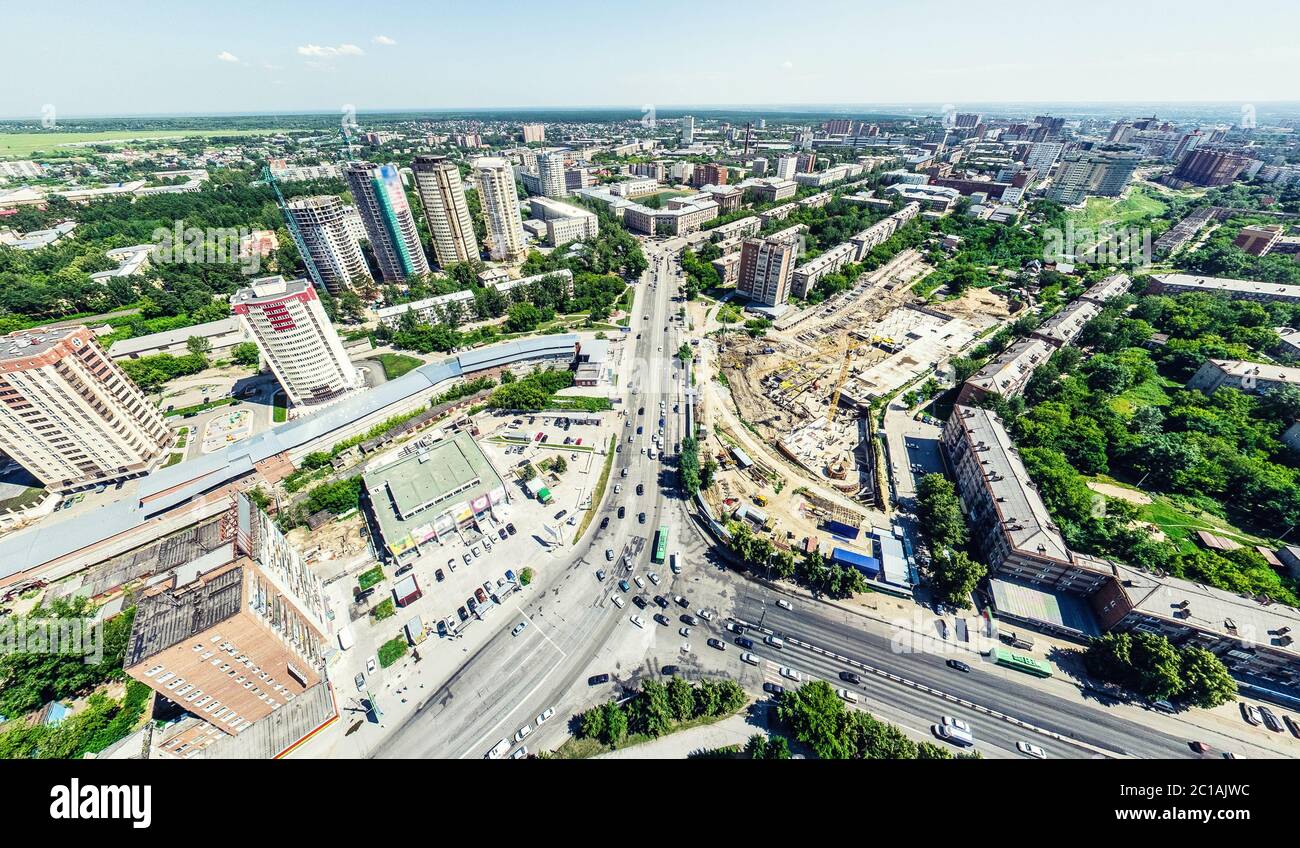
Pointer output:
x,y
1020,662
661,544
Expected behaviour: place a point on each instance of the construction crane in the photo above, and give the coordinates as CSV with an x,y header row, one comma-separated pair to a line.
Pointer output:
x,y
851,344
303,252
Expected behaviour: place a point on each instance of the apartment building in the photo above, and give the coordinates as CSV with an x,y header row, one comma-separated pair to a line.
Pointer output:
x,y
297,340
1206,167
787,167
452,309
564,222
808,274
390,226
70,415
766,266
442,194
1235,289
534,133
1259,240
500,201
1243,376
320,230
1007,374
550,174
1097,173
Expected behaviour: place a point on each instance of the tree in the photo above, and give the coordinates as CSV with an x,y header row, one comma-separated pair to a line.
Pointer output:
x,y
592,723
939,511
615,724
1206,679
681,699
953,575
523,317
198,345
756,747
247,354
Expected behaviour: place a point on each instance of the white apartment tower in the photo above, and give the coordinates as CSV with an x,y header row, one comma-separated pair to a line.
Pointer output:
x,y
437,180
786,166
390,226
688,130
321,231
68,413
296,337
500,200
550,173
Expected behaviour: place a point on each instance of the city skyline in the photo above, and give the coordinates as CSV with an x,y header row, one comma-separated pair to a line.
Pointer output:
x,y
329,61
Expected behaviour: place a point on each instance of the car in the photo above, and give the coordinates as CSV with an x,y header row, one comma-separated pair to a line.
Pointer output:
x,y
520,753
510,575
688,619
950,721
472,604
609,554
1031,750
1250,714
487,544
409,567
510,528
640,410
669,670
790,673
621,512
600,574
631,439
705,614
774,688
439,576
1198,747
953,734
1270,720
744,642
638,621
537,438
845,694
681,602
661,422
604,522
464,616
640,601
661,601
545,716
624,585
360,680
474,551
443,628
1228,755
784,604
735,628
640,584
640,490
686,647
717,643
1292,725
523,732
640,518
361,594
597,679
850,677
502,533
618,601
640,430
518,628
561,514
747,657
467,558
480,595
370,665
618,488
958,665
661,618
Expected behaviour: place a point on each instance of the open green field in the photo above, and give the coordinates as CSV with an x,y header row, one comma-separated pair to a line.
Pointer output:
x,y
1118,212
1153,392
26,145
397,364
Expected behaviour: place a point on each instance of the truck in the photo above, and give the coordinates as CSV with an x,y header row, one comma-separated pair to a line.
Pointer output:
x,y
345,638
1017,640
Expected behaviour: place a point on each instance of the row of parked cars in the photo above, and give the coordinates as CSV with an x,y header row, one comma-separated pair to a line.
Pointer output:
x,y
1262,715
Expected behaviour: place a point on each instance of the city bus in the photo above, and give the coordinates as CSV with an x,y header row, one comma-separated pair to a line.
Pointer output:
x,y
1020,662
661,544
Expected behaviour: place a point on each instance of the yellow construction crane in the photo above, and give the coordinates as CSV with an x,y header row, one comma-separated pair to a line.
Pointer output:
x,y
851,344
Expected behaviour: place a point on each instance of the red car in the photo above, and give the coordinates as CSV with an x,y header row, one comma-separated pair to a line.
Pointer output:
x,y
537,438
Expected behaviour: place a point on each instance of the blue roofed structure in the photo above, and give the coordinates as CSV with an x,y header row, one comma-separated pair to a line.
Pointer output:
x,y
869,566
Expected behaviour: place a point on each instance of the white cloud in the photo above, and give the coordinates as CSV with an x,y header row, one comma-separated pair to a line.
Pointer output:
x,y
384,40
320,52
227,56
787,64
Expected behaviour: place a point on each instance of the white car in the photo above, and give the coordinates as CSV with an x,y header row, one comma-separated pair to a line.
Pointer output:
x,y
474,551
686,647
949,721
784,604
609,554
1031,750
523,732
640,584
786,671
847,695
541,719
705,614
370,665
618,488
749,658
685,631
637,620
520,754
618,601
654,578
451,564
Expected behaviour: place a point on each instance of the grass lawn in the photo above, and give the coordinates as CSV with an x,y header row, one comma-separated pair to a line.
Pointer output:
x,y
173,459
280,413
27,497
1153,392
1118,212
1180,523
598,493
24,145
397,364
200,407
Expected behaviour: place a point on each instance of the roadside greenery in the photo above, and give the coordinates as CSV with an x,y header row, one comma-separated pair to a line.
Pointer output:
x,y
392,651
1155,669
659,709
810,570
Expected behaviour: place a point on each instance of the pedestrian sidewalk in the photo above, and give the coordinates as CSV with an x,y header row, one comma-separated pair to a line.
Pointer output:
x,y
734,730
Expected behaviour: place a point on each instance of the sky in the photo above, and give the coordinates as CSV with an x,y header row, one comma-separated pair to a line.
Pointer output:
x,y
127,57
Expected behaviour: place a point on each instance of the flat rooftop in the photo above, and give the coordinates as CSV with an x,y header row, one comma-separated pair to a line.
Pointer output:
x,y
1227,285
170,617
25,343
1035,603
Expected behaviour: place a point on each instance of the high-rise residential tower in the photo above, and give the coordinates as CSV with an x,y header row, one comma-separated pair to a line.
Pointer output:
x,y
765,269
500,200
390,226
68,413
437,180
550,173
320,231
688,129
295,335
